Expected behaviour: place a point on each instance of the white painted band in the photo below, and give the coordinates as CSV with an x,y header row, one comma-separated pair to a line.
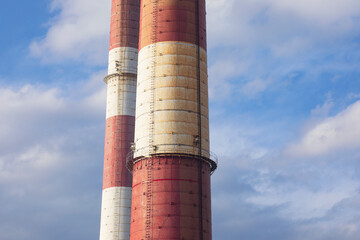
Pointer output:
x,y
167,100
123,60
121,97
115,213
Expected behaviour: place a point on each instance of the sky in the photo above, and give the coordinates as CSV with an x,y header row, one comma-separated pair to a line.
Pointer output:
x,y
284,90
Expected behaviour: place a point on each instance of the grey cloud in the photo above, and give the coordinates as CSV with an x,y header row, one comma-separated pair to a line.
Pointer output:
x,y
273,196
50,162
64,197
257,192
235,217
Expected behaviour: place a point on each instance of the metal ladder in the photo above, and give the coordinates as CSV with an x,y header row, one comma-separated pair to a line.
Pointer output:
x,y
148,201
153,77
148,229
199,119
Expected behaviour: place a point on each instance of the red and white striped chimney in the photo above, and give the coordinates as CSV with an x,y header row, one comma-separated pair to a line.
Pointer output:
x,y
120,119
172,162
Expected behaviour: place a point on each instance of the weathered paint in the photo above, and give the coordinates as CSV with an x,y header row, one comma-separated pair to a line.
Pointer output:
x,y
128,63
119,133
121,96
171,178
115,213
124,27
175,101
175,21
120,119
175,198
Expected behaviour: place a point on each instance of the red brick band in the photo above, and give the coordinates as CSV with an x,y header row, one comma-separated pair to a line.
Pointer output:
x,y
176,21
124,27
174,198
160,180
119,134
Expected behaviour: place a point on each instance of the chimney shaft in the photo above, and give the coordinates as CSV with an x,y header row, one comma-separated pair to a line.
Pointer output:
x,y
120,119
172,164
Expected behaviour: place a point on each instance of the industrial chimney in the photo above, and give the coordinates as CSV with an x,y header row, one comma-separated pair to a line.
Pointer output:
x,y
120,119
172,163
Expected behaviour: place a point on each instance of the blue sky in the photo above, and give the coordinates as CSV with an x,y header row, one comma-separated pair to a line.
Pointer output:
x,y
284,104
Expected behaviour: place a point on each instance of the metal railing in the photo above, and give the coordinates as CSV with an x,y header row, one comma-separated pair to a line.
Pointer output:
x,y
212,160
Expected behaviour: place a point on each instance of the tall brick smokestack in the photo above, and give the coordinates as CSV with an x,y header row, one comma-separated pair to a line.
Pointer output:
x,y
120,119
172,163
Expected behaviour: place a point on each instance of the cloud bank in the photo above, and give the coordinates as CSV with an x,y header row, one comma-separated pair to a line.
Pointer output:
x,y
48,143
272,63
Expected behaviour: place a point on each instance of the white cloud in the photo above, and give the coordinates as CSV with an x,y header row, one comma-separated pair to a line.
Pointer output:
x,y
254,87
282,25
37,124
30,164
50,141
290,202
320,11
220,71
255,44
301,203
51,151
340,132
322,111
235,139
79,32
80,28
